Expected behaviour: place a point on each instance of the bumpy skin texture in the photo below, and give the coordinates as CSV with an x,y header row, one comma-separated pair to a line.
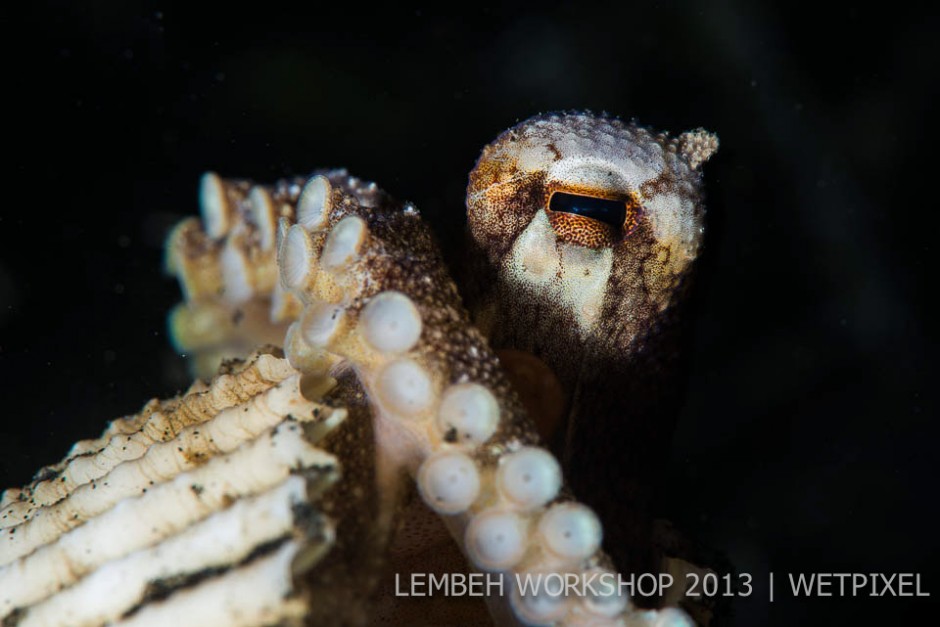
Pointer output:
x,y
596,302
351,283
602,316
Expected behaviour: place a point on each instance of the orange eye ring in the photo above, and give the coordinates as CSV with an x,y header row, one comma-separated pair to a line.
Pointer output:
x,y
592,220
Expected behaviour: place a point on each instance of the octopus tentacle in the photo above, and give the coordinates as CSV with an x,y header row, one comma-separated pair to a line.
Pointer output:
x,y
372,293
376,294
353,286
585,230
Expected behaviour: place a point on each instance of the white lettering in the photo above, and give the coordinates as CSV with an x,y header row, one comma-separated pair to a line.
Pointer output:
x,y
802,584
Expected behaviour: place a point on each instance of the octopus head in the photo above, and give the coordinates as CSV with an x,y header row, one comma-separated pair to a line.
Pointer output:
x,y
588,211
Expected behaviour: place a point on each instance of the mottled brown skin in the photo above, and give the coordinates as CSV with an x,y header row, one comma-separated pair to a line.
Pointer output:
x,y
610,355
618,378
383,526
402,255
390,530
345,584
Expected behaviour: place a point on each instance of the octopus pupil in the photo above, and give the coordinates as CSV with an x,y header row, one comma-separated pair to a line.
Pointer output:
x,y
612,212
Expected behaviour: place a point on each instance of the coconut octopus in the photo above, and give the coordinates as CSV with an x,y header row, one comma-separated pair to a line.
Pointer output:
x,y
281,491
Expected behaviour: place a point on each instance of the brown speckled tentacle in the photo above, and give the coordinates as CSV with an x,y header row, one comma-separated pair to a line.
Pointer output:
x,y
361,286
375,294
368,290
278,492
586,230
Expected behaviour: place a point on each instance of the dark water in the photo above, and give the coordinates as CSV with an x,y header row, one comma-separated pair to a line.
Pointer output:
x,y
808,437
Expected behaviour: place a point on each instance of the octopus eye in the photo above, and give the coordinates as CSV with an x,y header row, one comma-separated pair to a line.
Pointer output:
x,y
612,212
591,221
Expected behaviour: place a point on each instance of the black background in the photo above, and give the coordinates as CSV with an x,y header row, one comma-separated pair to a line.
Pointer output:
x,y
808,436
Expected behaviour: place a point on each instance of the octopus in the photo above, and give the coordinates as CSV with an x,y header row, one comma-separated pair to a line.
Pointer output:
x,y
357,419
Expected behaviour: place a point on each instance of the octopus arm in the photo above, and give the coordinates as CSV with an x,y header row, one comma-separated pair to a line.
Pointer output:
x,y
281,490
370,295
